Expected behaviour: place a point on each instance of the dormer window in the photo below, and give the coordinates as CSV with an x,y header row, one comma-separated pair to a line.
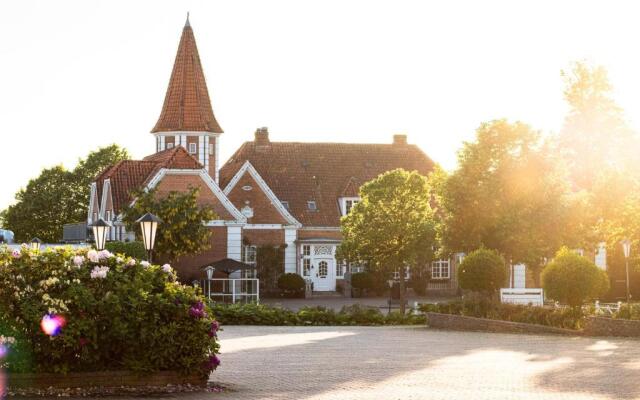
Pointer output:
x,y
169,145
311,205
285,204
192,148
347,203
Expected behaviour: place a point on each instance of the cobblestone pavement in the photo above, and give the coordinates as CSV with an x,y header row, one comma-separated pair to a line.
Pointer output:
x,y
419,363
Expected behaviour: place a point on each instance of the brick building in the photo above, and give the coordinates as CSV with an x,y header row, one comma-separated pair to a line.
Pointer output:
x,y
268,193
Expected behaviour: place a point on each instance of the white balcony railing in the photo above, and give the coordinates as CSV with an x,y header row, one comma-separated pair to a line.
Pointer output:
x,y
245,290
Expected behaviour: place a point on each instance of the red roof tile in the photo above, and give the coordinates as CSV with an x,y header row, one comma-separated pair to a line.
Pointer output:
x,y
187,106
321,172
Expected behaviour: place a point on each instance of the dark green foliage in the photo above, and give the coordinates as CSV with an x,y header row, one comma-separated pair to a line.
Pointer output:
x,y
137,317
362,282
572,279
483,271
129,249
628,311
56,197
567,318
419,285
270,265
259,314
291,285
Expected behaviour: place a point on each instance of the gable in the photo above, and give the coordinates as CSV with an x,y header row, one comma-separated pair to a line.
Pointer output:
x,y
247,193
168,180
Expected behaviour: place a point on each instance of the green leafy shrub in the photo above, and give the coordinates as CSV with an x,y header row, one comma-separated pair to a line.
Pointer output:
x,y
120,313
567,318
483,271
628,311
572,279
129,249
362,282
291,285
258,314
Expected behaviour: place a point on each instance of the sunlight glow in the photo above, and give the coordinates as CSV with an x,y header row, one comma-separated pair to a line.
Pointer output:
x,y
276,340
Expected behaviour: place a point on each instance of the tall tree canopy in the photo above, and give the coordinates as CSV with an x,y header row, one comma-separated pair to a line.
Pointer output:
x,y
595,136
508,194
56,197
182,230
393,225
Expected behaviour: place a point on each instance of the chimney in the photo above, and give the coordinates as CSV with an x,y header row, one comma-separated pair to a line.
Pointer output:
x,y
262,137
400,140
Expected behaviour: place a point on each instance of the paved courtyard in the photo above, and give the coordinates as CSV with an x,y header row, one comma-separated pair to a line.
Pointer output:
x,y
418,363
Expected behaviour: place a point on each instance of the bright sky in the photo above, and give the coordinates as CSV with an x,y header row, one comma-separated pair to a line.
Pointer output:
x,y
75,75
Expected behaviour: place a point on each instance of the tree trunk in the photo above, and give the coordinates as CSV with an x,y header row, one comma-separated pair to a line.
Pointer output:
x,y
402,307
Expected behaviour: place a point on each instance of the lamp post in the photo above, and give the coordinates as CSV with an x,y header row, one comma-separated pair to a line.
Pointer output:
x,y
149,226
35,244
209,271
100,230
626,247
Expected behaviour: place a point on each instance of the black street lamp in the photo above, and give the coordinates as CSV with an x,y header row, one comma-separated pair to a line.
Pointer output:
x,y
35,244
149,226
626,247
100,230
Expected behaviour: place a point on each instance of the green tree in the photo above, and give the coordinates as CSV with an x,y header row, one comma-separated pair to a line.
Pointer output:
x,y
508,193
182,230
393,225
56,197
571,279
483,271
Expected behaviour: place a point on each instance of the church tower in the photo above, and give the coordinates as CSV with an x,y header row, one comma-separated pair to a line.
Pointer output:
x,y
187,117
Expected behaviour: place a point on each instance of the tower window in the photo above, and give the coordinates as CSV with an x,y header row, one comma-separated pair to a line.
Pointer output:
x,y
169,145
211,149
192,148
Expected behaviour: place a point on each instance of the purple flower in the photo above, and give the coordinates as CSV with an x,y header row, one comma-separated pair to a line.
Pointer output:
x,y
197,310
214,329
212,363
16,254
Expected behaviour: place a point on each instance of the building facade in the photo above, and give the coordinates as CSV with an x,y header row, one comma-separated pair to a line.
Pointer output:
x,y
269,193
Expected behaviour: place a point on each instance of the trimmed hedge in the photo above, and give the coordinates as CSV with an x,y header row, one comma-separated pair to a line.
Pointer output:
x,y
566,318
291,285
129,249
260,314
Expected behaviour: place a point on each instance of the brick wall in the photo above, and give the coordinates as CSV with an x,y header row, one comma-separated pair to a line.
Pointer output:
x,y
188,267
264,212
261,237
304,234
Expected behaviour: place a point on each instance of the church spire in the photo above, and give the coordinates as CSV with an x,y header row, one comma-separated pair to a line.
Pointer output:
x,y
187,107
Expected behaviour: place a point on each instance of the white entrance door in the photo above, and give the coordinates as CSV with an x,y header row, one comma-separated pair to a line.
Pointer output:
x,y
324,275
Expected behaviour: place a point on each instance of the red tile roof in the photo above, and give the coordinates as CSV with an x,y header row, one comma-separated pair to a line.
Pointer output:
x,y
322,172
127,176
187,106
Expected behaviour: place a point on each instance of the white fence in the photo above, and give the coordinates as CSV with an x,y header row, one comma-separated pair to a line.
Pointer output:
x,y
245,290
522,296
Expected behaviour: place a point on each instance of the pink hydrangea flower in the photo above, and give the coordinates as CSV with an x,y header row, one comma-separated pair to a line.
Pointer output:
x,y
99,272
78,260
92,255
145,264
16,253
104,254
131,263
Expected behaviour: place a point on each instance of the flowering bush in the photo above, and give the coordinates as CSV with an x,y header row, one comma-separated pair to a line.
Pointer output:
x,y
111,312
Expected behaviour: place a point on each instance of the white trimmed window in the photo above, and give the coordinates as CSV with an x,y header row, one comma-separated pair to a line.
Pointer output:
x,y
170,145
311,205
249,254
306,260
347,203
210,149
440,269
193,148
285,204
407,274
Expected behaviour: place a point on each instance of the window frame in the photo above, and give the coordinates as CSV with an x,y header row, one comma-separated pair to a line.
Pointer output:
x,y
170,145
438,269
195,148
309,205
345,207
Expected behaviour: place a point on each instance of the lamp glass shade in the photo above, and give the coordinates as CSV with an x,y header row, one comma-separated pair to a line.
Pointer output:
x,y
626,246
35,244
149,227
100,230
209,271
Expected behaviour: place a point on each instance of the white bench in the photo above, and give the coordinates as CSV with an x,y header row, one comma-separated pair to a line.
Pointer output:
x,y
531,296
